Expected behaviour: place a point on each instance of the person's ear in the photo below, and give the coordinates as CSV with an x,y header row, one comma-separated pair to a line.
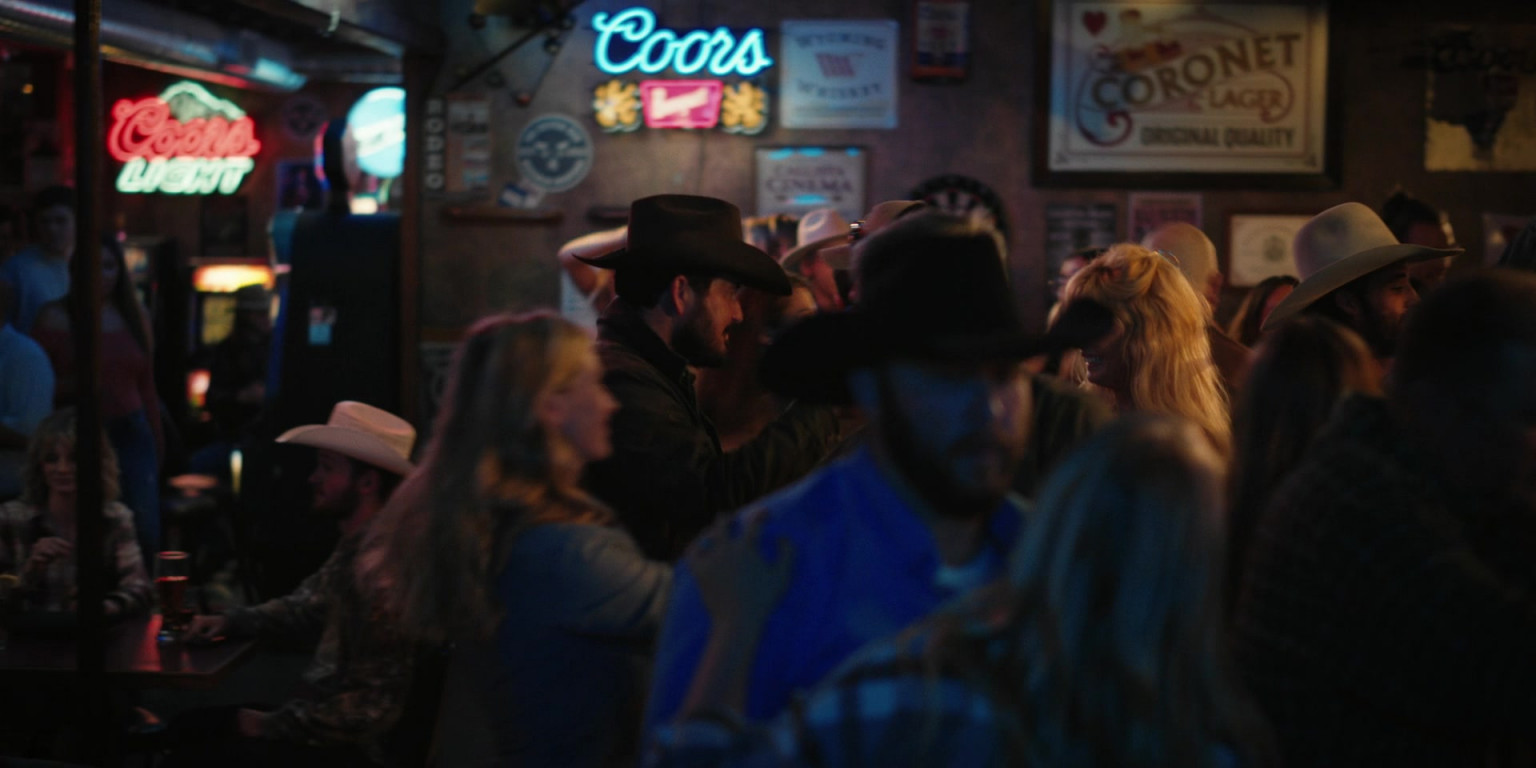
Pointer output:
x,y
369,481
1349,303
679,296
550,411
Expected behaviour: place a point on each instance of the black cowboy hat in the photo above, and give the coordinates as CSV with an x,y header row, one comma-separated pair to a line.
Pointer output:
x,y
933,289
689,234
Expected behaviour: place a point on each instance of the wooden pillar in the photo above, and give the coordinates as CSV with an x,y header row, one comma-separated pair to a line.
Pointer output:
x,y
85,322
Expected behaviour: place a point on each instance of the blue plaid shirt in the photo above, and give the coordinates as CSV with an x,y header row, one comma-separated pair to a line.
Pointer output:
x,y
887,707
866,567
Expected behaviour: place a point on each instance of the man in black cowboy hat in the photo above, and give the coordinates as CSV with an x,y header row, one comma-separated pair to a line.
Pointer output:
x,y
676,281
921,513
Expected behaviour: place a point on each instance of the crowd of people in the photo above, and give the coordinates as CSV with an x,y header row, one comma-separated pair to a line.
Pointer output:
x,y
821,497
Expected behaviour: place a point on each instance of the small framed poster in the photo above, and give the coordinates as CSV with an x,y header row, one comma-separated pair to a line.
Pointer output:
x,y
1073,227
797,180
1185,94
1149,210
298,186
1259,246
839,74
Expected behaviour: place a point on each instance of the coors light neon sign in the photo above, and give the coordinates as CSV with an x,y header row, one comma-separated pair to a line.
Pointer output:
x,y
186,141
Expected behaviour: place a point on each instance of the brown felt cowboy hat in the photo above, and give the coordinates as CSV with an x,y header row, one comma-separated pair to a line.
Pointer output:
x,y
961,310
689,234
1339,246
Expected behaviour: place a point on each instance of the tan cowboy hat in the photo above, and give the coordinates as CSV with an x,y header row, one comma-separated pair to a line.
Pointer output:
x,y
363,432
818,229
1339,246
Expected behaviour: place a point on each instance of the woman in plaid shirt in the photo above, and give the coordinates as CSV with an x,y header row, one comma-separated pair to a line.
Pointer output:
x,y
37,532
1103,647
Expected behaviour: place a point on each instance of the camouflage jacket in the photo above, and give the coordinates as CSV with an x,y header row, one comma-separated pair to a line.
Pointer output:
x,y
356,685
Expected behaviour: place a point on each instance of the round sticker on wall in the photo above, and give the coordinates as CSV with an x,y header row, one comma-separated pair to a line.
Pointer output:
x,y
303,117
554,153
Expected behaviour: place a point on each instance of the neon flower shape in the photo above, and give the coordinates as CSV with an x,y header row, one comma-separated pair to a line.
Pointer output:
x,y
617,106
186,141
744,109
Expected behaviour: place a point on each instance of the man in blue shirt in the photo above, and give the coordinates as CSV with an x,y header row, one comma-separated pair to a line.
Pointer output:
x,y
39,273
26,397
922,513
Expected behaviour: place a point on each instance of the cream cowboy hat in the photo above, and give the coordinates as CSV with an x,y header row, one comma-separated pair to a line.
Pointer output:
x,y
1339,246
818,229
363,432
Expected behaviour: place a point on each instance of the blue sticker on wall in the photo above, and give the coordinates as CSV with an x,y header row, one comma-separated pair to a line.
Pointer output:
x,y
554,153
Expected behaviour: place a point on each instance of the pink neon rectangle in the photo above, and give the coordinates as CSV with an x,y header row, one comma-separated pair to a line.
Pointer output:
x,y
681,103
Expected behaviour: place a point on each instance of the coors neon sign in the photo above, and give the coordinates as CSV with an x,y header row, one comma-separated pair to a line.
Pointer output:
x,y
186,141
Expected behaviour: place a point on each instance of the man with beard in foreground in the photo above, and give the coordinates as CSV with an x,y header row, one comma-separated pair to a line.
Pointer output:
x,y
676,281
922,512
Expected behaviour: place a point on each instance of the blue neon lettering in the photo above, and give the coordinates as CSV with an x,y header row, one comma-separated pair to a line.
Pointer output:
x,y
696,39
656,49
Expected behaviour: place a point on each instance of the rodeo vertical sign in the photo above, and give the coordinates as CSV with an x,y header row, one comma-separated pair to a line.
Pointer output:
x,y
1185,87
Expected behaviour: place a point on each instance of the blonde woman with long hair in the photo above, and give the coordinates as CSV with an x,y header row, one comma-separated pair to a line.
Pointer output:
x,y
1104,646
1159,357
492,549
37,531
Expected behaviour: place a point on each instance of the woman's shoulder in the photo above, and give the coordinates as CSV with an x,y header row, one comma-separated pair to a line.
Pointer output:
x,y
579,540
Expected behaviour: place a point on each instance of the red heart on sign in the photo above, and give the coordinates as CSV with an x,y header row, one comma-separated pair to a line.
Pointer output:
x,y
1094,21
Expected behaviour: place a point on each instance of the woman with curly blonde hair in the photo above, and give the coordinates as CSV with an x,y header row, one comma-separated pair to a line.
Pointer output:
x,y
1158,358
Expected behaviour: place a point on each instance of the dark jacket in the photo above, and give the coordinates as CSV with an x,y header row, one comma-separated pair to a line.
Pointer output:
x,y
1381,621
668,477
1230,358
1063,417
564,680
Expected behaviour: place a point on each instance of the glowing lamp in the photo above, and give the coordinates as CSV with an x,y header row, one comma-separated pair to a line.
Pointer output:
x,y
629,40
228,278
186,141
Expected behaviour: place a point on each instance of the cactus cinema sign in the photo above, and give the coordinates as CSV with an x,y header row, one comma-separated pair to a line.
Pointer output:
x,y
186,141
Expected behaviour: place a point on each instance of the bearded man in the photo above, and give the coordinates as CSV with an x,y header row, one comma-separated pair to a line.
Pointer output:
x,y
922,513
1356,273
676,281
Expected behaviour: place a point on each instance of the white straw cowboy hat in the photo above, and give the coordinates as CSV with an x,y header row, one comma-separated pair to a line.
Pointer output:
x,y
363,432
1339,246
818,229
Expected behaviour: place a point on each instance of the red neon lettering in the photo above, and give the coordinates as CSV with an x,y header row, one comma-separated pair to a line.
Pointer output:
x,y
146,129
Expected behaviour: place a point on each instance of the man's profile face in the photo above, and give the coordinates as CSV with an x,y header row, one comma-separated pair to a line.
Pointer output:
x,y
956,431
823,282
704,328
1386,296
334,484
56,229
